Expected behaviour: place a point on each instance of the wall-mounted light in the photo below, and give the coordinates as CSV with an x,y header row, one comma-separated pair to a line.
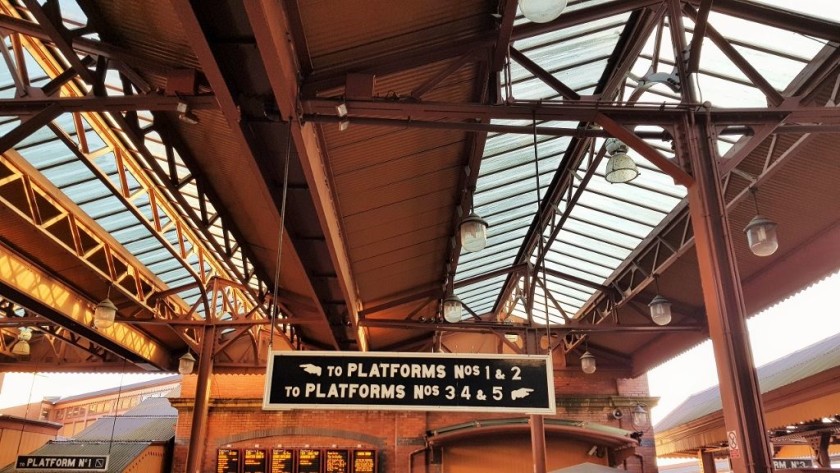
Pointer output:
x,y
587,363
186,363
761,232
639,417
542,11
620,167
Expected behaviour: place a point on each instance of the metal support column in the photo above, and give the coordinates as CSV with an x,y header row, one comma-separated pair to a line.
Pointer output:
x,y
743,413
707,461
198,432
538,443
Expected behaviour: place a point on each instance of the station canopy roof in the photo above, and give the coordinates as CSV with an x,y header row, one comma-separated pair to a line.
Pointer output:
x,y
296,172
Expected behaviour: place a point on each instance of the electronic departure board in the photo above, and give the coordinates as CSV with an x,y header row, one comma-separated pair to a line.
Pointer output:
x,y
309,461
295,460
227,460
338,461
364,461
282,461
254,461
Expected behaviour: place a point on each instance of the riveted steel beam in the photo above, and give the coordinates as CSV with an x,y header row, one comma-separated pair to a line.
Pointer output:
x,y
33,288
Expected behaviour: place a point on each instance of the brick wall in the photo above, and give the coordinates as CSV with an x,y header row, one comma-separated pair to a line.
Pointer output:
x,y
236,420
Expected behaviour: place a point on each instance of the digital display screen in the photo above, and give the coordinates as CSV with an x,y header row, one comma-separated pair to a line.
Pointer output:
x,y
309,461
337,461
364,461
227,460
282,461
254,461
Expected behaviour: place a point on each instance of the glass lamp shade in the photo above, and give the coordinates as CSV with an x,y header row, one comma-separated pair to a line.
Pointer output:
x,y
587,363
186,363
24,334
21,348
542,11
452,309
660,310
621,168
103,316
639,418
761,236
473,233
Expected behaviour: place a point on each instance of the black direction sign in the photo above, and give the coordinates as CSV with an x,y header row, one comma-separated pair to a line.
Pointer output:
x,y
62,462
788,463
409,381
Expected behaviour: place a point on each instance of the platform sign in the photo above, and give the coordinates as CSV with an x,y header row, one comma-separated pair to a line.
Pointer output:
x,y
282,460
309,461
409,381
364,461
254,461
227,460
788,463
337,461
62,462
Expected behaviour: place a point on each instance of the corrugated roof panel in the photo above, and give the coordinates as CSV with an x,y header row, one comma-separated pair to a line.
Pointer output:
x,y
808,361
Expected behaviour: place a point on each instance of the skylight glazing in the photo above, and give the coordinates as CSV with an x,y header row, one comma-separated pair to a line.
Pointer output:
x,y
608,221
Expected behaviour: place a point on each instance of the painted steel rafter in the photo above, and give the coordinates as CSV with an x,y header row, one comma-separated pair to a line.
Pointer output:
x,y
270,25
162,218
33,288
664,247
51,344
35,201
402,61
188,245
674,236
633,37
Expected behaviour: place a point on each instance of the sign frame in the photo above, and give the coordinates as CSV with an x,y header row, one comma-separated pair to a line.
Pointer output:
x,y
19,467
322,404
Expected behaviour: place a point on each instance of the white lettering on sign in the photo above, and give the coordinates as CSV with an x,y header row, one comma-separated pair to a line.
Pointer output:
x,y
505,383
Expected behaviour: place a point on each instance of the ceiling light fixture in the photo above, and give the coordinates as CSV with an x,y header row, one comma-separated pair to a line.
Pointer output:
x,y
185,114
620,167
473,232
21,348
452,308
542,11
105,312
588,364
186,363
761,232
660,307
